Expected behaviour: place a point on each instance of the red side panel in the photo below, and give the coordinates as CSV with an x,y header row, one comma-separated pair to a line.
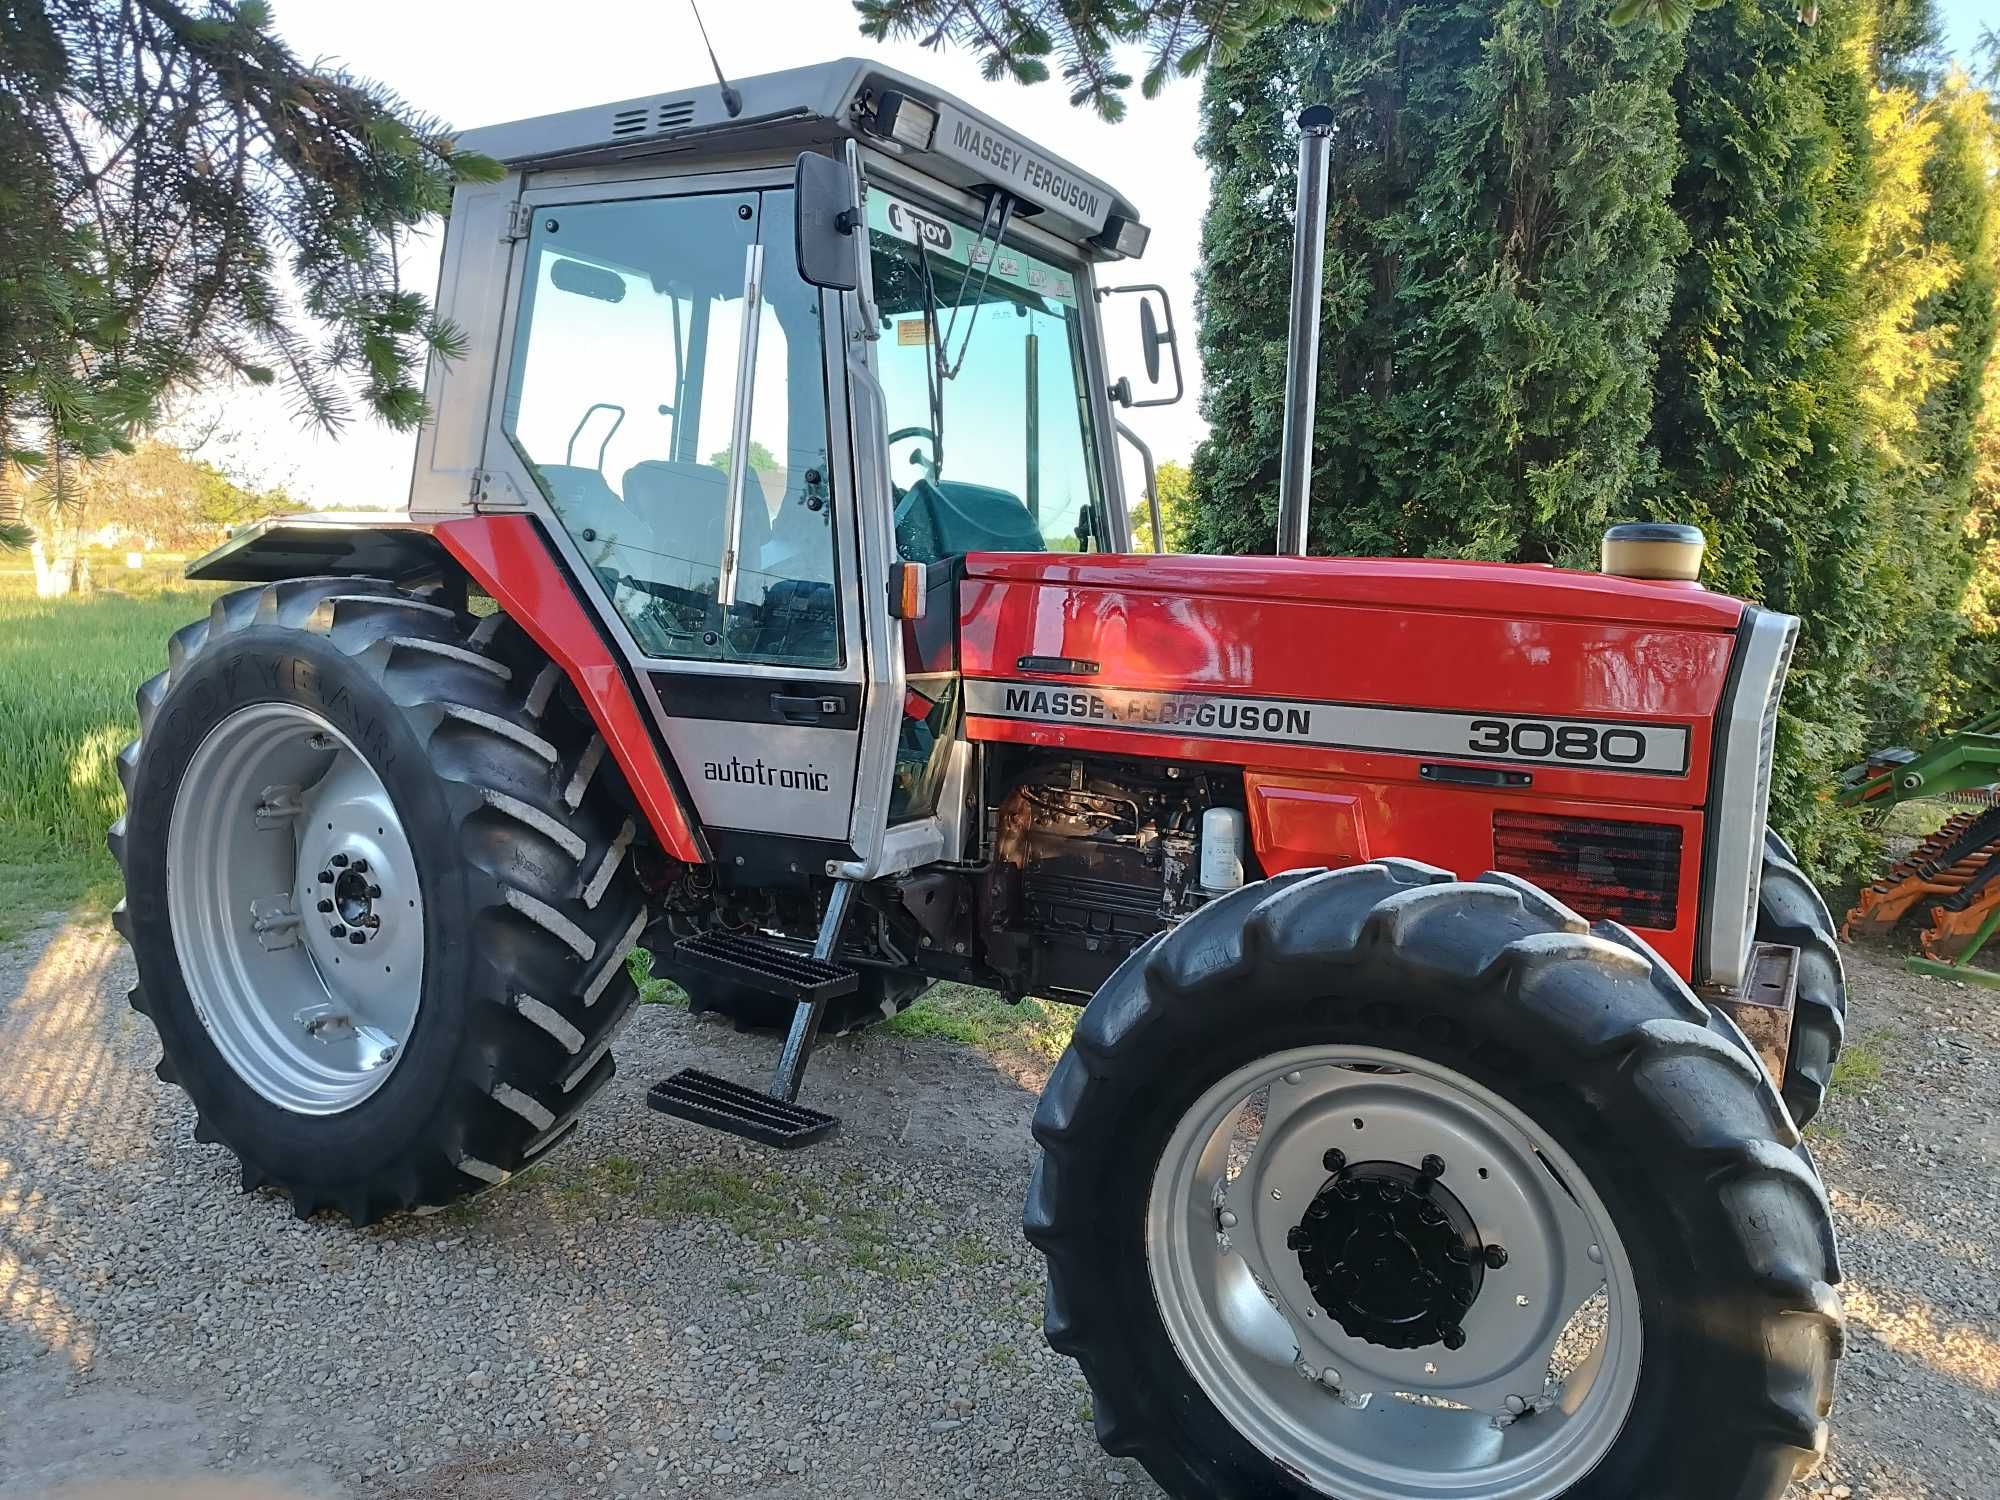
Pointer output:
x,y
511,561
1430,645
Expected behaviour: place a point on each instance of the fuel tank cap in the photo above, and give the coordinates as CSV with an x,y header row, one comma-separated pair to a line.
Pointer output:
x,y
1654,549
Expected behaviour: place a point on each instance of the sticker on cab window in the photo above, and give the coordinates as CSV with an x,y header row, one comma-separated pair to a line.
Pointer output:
x,y
917,227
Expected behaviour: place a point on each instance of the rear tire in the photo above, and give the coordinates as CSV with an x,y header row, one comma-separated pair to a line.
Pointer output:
x,y
519,835
1673,1124
1790,910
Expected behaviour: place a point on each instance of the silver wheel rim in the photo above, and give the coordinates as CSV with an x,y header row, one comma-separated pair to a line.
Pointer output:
x,y
1542,1385
293,896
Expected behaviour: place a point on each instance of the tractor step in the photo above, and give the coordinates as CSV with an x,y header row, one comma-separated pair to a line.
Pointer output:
x,y
768,966
704,1099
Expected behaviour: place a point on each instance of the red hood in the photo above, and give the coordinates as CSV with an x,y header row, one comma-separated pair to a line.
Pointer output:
x,y
1519,590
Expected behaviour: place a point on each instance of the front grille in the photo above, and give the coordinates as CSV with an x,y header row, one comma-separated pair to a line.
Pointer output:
x,y
1626,872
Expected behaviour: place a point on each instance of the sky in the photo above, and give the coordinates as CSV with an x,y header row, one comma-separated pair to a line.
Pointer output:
x,y
479,62
482,63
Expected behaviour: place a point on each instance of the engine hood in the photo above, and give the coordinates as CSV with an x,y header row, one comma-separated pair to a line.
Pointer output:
x,y
1519,590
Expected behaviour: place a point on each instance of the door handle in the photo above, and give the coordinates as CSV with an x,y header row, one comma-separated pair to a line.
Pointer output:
x,y
800,708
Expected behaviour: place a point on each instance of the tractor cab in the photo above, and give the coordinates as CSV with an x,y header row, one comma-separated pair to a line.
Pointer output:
x,y
760,360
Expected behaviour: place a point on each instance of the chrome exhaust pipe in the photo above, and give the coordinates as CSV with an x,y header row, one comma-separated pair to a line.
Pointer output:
x,y
1302,355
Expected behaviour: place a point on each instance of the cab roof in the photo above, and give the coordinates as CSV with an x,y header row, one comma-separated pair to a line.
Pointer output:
x,y
818,106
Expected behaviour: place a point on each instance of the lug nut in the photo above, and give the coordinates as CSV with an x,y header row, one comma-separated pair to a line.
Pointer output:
x,y
326,877
1496,1256
374,893
1296,1238
336,930
360,867
373,921
1334,1160
325,905
1452,1336
357,936
1433,1165
339,861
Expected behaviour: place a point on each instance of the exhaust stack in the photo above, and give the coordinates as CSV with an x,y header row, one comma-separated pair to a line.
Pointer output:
x,y
1302,355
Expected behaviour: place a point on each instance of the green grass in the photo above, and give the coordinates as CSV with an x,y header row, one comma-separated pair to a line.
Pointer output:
x,y
980,1018
68,669
1860,1065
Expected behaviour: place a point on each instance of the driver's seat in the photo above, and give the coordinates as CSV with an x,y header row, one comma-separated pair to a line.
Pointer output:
x,y
948,518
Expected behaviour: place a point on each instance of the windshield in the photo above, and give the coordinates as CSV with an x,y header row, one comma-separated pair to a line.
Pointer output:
x,y
982,365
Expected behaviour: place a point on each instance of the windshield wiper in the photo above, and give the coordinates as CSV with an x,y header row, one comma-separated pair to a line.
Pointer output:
x,y
941,366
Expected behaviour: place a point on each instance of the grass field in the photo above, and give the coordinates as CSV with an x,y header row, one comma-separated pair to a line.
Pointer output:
x,y
68,668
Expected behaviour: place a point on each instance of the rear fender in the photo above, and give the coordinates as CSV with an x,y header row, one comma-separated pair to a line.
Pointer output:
x,y
508,558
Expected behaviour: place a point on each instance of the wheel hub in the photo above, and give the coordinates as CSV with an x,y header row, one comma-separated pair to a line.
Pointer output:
x,y
296,907
1391,1255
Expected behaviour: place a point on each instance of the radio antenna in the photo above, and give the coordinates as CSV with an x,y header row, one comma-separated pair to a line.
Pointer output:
x,y
731,100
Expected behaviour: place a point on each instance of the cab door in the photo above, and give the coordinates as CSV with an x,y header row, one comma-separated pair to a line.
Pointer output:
x,y
666,412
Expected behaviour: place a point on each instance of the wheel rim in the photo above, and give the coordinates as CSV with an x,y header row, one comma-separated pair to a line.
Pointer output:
x,y
1288,1320
295,906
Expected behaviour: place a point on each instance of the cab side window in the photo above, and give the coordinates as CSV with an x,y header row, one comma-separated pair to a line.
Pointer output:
x,y
622,401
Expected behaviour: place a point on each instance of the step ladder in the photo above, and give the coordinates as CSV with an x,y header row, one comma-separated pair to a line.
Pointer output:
x,y
773,1116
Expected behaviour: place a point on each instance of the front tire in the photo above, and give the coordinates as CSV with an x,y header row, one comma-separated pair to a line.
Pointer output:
x,y
1515,1018
1790,910
306,727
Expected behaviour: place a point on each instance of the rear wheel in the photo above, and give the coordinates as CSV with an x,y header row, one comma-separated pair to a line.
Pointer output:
x,y
1383,1186
1790,910
377,892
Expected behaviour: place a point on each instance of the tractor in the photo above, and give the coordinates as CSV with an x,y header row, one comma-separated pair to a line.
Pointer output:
x,y
767,598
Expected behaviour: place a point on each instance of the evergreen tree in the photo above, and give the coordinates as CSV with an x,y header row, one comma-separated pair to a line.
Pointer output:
x,y
1499,263
170,175
1759,415
1961,412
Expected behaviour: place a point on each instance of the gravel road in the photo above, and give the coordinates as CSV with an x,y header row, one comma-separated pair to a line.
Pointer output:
x,y
661,1310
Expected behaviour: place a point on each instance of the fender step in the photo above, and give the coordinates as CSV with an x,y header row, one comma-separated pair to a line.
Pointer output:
x,y
704,1099
767,965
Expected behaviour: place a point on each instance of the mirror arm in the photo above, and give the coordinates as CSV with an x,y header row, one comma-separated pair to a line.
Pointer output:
x,y
1152,483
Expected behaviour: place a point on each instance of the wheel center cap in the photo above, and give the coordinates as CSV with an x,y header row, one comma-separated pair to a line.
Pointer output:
x,y
350,896
1391,1255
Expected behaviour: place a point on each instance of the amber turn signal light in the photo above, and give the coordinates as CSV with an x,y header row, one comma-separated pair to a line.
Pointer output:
x,y
906,590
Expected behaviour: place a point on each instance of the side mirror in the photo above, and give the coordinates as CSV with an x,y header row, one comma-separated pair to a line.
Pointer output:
x,y
828,218
1156,332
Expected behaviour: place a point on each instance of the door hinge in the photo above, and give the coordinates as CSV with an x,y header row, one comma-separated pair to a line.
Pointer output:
x,y
520,219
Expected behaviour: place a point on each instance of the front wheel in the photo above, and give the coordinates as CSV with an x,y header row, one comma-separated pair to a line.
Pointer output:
x,y
1790,910
1382,1186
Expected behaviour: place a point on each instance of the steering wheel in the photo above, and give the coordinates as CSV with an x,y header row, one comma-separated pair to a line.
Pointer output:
x,y
929,466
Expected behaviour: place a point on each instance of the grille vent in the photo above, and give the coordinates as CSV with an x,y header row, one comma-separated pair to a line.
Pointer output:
x,y
1626,872
647,119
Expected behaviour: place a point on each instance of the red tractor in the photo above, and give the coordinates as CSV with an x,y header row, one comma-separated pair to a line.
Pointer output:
x,y
766,598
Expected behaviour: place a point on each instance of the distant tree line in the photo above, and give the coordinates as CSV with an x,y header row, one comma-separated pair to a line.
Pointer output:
x,y
1740,274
